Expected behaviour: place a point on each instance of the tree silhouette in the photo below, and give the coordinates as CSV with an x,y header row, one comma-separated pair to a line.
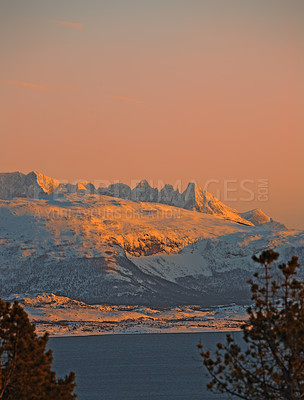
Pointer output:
x,y
25,365
270,364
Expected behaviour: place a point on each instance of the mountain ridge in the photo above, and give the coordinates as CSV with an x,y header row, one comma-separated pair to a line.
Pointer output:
x,y
35,184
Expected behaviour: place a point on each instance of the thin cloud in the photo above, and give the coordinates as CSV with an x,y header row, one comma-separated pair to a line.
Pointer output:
x,y
62,87
38,87
73,25
25,84
125,98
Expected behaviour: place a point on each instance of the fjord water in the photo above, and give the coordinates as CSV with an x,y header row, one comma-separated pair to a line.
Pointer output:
x,y
136,367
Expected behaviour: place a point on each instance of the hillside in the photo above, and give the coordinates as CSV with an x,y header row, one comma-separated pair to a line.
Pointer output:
x,y
100,249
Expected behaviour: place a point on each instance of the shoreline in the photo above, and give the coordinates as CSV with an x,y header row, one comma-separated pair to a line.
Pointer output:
x,y
145,333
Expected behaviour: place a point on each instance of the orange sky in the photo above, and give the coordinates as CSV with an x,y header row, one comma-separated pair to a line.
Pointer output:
x,y
165,90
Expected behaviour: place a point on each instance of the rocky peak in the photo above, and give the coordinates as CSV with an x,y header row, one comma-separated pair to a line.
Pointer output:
x,y
144,192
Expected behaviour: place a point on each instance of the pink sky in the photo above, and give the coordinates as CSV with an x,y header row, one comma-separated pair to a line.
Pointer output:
x,y
169,91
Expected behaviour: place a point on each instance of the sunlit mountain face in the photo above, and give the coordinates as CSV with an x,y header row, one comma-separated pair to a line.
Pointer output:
x,y
194,198
130,246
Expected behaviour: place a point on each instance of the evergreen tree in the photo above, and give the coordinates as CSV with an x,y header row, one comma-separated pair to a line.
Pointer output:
x,y
25,365
270,365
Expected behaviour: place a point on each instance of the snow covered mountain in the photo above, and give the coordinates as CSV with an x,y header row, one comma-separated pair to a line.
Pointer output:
x,y
195,198
258,218
103,249
36,185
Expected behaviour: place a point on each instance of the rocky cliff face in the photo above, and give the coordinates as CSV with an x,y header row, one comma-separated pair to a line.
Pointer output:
x,y
195,198
34,184
144,192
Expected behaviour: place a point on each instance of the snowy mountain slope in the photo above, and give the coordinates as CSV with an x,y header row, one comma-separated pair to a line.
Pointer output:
x,y
256,216
97,249
259,218
211,256
87,224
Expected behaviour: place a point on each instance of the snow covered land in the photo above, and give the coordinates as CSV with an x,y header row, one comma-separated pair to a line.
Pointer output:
x,y
61,316
139,248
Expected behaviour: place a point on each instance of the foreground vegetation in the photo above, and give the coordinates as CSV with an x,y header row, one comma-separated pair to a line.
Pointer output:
x,y
25,369
271,364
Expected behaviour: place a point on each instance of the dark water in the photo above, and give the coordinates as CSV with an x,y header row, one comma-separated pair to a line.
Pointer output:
x,y
136,367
